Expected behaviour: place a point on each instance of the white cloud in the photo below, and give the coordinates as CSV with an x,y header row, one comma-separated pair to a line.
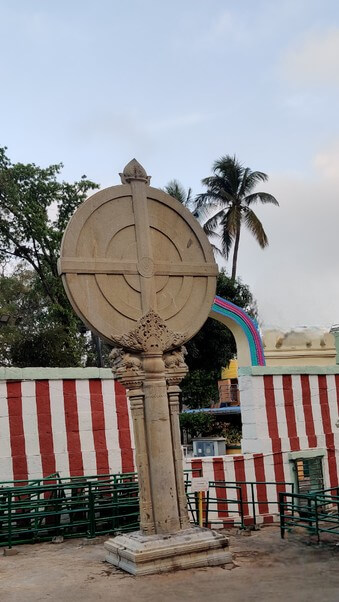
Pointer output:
x,y
314,59
295,279
327,162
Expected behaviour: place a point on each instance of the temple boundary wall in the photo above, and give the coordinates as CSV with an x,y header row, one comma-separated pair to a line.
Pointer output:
x,y
77,421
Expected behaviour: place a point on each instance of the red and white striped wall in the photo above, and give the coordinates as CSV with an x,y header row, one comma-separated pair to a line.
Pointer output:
x,y
77,421
286,413
237,469
50,422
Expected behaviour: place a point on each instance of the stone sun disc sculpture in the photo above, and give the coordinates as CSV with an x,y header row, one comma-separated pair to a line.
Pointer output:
x,y
139,270
133,258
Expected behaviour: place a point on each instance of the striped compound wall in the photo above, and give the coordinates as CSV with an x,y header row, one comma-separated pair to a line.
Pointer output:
x,y
287,413
77,421
74,426
249,467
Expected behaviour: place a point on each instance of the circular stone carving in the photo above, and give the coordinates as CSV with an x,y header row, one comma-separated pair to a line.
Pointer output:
x,y
146,267
132,249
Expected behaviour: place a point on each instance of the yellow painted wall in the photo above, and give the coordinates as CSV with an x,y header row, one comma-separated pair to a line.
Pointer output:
x,y
231,371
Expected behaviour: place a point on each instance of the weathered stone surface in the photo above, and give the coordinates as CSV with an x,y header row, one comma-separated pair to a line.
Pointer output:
x,y
189,548
10,551
132,249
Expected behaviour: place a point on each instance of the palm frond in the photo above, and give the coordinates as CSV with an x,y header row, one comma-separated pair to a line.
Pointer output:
x,y
231,219
230,224
227,241
217,189
231,171
263,197
253,178
255,226
212,222
208,200
217,252
176,190
242,183
189,198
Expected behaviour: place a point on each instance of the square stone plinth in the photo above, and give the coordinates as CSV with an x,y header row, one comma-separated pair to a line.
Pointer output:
x,y
148,554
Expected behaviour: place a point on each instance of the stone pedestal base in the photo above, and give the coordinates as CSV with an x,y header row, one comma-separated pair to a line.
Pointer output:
x,y
147,554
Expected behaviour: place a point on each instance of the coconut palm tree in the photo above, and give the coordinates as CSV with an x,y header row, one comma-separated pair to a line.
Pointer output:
x,y
175,189
230,196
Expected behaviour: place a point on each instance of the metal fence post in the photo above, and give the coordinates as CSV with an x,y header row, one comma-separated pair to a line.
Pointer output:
x,y
240,501
317,518
10,519
282,515
91,510
309,512
253,504
114,503
200,508
207,499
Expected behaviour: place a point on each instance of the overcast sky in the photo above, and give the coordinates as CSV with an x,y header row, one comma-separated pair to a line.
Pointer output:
x,y
178,84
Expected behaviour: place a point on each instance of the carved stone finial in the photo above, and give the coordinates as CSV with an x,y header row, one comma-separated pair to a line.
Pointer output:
x,y
151,334
134,171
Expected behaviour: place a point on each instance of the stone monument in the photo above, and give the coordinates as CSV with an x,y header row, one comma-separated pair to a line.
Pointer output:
x,y
140,272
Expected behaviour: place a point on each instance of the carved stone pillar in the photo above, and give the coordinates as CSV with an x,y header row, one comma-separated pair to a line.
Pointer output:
x,y
159,442
162,504
176,369
126,368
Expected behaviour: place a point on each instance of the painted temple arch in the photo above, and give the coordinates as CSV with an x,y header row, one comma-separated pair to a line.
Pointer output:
x,y
245,330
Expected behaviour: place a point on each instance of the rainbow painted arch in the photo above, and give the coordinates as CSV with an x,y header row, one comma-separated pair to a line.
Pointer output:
x,y
248,326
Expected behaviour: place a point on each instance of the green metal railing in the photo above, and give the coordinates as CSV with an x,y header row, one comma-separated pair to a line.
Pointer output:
x,y
81,506
316,512
233,502
192,498
41,509
237,502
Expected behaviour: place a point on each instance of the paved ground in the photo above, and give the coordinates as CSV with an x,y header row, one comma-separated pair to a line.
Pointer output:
x,y
267,569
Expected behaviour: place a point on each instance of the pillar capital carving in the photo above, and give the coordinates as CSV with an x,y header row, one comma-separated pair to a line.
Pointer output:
x,y
151,335
175,366
127,368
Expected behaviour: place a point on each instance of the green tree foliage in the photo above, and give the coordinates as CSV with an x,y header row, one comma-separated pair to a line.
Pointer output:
x,y
201,424
31,333
230,196
213,347
35,207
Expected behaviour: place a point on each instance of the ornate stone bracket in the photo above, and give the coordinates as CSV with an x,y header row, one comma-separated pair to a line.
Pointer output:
x,y
127,368
151,335
175,366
